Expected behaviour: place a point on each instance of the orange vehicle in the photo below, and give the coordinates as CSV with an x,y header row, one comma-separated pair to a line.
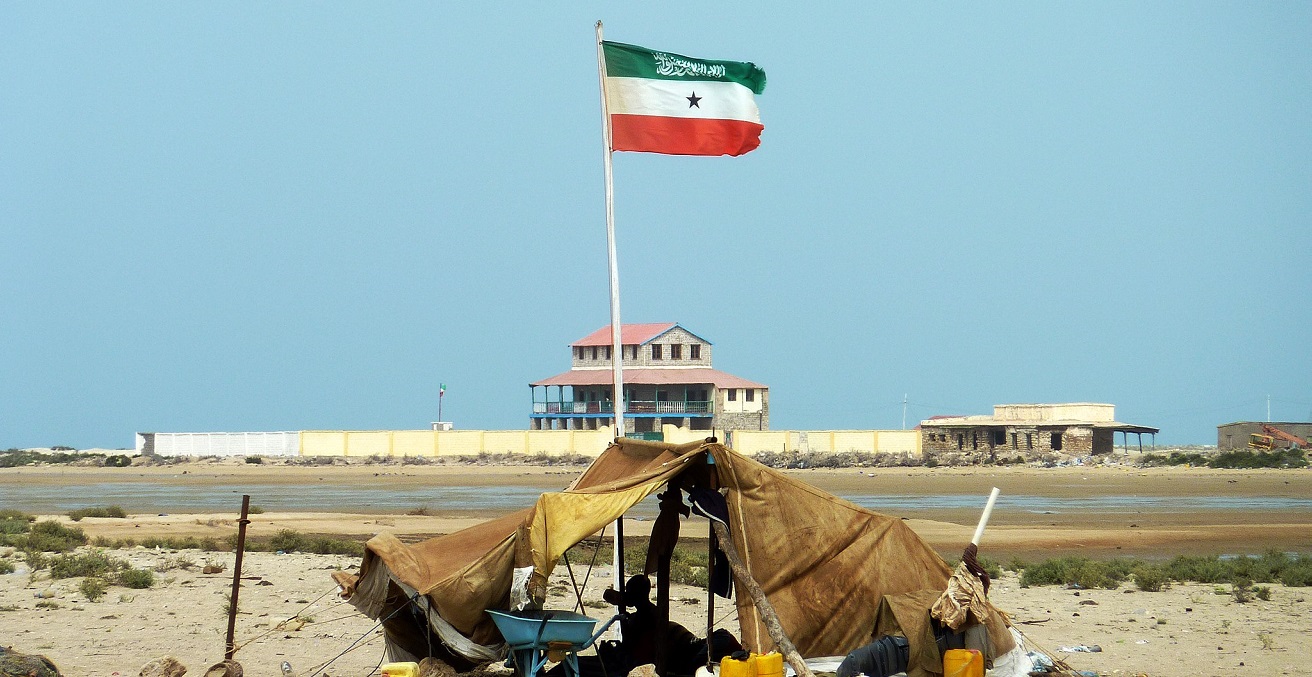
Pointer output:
x,y
1275,433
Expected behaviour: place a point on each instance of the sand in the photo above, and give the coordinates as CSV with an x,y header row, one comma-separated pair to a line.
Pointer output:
x,y
1184,630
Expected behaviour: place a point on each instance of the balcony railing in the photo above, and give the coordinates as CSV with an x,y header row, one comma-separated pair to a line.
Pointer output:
x,y
635,406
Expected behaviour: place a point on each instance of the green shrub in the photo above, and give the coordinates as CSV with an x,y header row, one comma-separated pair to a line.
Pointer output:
x,y
1149,578
1297,573
92,563
117,461
255,460
290,540
136,578
14,522
1079,571
6,567
1245,459
1242,590
111,511
51,536
1262,592
1198,569
93,588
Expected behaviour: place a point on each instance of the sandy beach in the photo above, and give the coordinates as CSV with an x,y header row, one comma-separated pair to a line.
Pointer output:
x,y
1186,629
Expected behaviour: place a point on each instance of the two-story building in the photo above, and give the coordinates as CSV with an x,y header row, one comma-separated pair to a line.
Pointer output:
x,y
668,379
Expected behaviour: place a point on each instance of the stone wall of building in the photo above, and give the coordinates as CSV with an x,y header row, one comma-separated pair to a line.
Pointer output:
x,y
582,356
745,420
991,443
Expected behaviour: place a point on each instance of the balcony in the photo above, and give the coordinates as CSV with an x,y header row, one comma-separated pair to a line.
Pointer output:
x,y
567,407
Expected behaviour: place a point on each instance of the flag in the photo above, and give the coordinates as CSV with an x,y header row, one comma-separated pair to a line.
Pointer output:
x,y
441,389
667,103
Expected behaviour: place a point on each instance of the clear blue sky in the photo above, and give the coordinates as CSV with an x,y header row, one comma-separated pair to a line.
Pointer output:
x,y
307,215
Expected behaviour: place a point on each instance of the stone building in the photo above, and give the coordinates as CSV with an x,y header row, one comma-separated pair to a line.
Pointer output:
x,y
668,379
1029,430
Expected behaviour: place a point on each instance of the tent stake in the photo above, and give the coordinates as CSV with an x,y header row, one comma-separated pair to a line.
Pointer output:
x,y
771,619
230,648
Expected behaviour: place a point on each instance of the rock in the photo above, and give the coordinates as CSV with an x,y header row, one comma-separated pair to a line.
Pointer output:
x,y
647,670
435,667
228,668
165,666
212,569
14,664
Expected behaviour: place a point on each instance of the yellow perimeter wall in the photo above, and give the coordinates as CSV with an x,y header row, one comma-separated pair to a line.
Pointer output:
x,y
588,442
751,442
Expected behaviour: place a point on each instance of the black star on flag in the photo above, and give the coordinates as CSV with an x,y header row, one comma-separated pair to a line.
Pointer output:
x,y
693,101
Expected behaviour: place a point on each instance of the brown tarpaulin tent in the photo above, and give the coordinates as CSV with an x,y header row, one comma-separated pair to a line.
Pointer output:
x,y
825,563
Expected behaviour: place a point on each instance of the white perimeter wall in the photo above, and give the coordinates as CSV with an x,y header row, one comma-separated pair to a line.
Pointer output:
x,y
224,444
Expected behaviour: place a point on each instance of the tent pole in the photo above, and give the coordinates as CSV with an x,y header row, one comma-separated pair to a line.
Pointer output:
x,y
710,597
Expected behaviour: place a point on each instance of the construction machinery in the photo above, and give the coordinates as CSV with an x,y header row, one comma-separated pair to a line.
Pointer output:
x,y
1267,441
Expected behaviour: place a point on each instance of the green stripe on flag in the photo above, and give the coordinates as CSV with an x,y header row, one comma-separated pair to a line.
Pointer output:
x,y
631,61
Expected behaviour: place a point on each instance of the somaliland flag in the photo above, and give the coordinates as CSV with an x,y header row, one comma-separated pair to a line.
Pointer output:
x,y
666,103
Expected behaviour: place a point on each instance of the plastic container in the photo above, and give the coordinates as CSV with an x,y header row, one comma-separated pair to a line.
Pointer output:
x,y
963,663
733,667
770,665
400,670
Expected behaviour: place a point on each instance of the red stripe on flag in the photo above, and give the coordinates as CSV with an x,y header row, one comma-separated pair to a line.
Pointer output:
x,y
683,136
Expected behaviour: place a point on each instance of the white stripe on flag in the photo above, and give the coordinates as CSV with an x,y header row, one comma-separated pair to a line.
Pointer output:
x,y
669,98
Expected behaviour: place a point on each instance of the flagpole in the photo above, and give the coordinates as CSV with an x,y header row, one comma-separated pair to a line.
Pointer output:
x,y
612,264
616,354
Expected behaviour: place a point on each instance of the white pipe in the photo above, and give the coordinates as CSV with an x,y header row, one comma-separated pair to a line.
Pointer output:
x,y
984,519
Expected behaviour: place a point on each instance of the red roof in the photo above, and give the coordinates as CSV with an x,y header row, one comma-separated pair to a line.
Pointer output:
x,y
630,334
603,377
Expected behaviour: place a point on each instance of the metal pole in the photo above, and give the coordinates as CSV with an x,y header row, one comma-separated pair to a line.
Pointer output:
x,y
612,265
230,647
612,262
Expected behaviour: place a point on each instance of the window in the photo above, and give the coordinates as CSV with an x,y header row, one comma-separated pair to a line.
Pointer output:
x,y
961,440
733,395
655,351
594,352
751,395
1013,441
999,437
676,351
695,351
1029,440
608,352
974,439
1056,441
578,352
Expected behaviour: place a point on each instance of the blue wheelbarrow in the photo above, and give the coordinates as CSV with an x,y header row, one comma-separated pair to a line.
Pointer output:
x,y
538,635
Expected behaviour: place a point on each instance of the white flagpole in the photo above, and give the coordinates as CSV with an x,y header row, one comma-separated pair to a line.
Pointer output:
x,y
616,354
612,264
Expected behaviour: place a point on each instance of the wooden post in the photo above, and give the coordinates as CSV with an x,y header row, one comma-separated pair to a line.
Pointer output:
x,y
768,616
230,647
670,502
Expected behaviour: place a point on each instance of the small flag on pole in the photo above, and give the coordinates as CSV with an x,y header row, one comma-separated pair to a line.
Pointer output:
x,y
441,389
677,105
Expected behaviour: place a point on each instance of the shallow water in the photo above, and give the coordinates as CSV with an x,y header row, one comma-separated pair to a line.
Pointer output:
x,y
143,497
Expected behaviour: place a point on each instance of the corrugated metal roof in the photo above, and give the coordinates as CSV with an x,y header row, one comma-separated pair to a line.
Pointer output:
x,y
990,422
630,334
694,376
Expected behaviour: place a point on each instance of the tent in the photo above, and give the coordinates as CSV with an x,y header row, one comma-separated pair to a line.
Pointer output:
x,y
828,566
